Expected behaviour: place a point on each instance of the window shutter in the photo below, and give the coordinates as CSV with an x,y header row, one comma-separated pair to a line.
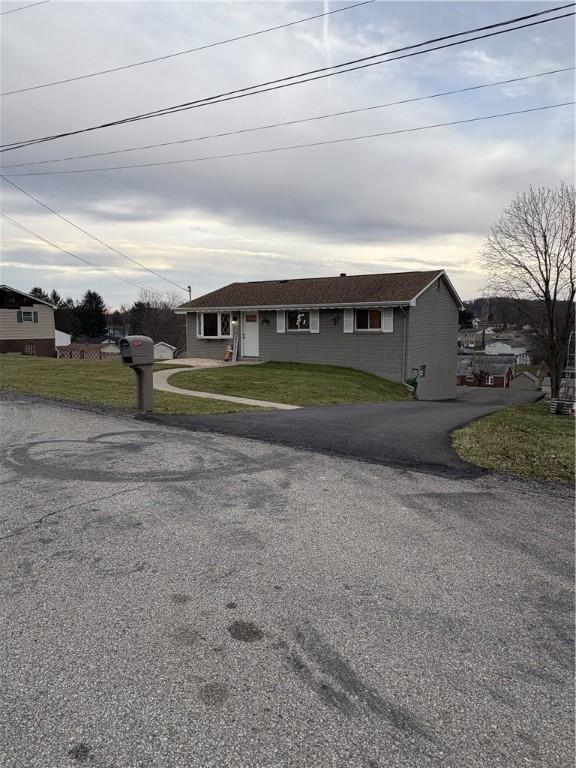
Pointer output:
x,y
388,320
19,316
314,321
348,321
280,321
35,317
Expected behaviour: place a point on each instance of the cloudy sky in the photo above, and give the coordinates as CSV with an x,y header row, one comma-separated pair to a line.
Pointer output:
x,y
421,200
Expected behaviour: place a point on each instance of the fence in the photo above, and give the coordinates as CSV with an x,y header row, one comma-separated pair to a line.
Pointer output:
x,y
86,352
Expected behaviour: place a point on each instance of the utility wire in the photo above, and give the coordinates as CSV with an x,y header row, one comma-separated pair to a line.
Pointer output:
x,y
241,93
23,8
294,146
73,255
291,122
187,51
89,234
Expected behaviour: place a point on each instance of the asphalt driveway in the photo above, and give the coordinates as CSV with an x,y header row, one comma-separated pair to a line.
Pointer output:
x,y
171,599
407,434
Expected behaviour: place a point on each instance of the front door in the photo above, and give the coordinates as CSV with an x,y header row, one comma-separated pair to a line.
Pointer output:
x,y
250,345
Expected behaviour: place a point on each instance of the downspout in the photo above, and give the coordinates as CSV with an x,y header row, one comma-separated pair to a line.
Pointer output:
x,y
404,343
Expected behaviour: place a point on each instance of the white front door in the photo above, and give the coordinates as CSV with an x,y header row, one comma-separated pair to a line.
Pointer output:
x,y
250,345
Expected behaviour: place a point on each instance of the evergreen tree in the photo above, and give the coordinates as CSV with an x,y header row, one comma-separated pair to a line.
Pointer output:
x,y
91,314
38,293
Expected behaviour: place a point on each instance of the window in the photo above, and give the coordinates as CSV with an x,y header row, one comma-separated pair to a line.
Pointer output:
x,y
215,325
26,316
470,379
422,372
29,349
368,320
298,321
490,381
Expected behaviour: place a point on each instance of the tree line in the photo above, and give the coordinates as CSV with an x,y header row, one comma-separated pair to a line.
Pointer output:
x,y
89,318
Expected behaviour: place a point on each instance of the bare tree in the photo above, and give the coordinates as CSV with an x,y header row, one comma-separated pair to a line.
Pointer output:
x,y
154,316
530,254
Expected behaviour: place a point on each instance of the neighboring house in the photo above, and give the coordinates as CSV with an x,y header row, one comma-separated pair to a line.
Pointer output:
x,y
62,339
26,323
525,380
497,375
502,348
470,338
398,326
164,351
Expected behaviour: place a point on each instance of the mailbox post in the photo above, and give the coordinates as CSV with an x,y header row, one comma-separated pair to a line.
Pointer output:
x,y
138,353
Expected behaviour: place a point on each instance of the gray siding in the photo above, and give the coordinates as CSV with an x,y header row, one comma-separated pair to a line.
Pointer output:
x,y
432,341
378,353
208,348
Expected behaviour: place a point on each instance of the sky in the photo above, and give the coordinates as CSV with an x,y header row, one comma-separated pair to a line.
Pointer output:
x,y
411,201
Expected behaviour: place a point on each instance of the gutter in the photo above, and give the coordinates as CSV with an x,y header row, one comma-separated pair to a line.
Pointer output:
x,y
275,307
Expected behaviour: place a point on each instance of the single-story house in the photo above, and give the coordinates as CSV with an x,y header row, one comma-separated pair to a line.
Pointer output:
x,y
400,326
26,323
164,351
484,373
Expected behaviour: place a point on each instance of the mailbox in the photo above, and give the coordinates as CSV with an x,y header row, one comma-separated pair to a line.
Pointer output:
x,y
137,350
138,353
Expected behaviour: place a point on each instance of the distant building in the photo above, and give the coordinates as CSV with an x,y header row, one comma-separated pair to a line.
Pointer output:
x,y
484,373
164,351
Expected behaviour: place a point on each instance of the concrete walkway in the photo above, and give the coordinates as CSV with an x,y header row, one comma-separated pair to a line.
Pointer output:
x,y
160,379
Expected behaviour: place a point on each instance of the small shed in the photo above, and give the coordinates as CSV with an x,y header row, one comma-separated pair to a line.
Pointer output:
x,y
525,380
109,348
164,351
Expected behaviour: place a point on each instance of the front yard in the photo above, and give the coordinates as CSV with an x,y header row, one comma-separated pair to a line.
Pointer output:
x,y
525,440
95,381
292,383
113,384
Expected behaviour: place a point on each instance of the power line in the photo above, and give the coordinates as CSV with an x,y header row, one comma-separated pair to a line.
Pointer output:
x,y
294,146
73,255
23,8
187,51
89,234
293,122
243,92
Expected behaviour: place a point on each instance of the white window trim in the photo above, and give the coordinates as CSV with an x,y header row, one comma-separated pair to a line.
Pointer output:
x,y
299,330
27,312
490,381
219,335
367,330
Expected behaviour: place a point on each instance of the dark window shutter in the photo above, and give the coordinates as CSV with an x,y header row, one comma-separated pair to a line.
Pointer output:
x,y
35,317
19,315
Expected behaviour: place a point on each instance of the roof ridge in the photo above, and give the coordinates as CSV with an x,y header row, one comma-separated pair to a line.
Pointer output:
x,y
340,277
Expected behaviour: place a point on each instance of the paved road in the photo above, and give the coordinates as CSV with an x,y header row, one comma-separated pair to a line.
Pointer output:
x,y
172,599
414,435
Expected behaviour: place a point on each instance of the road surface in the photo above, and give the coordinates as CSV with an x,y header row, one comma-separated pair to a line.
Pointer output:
x,y
172,599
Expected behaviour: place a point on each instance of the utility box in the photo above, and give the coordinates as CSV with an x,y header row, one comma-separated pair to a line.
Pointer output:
x,y
137,350
138,353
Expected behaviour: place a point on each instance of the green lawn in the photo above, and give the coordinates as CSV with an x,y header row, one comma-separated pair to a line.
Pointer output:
x,y
95,381
292,383
525,440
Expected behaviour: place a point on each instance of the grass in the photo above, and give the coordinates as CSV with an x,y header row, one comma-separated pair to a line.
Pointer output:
x,y
95,381
525,440
292,383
